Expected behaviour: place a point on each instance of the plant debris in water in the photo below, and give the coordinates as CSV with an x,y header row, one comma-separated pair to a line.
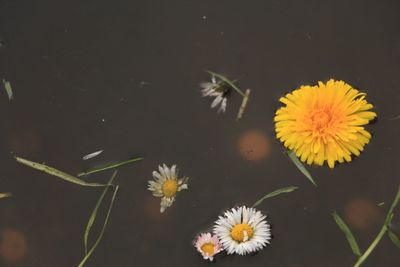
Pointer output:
x,y
8,88
92,218
244,104
301,166
92,155
384,230
109,166
5,195
57,173
220,90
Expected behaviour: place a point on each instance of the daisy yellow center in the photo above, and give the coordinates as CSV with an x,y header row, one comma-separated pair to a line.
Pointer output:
x,y
242,232
208,248
170,187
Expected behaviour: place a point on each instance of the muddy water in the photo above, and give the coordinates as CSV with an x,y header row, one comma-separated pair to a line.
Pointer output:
x,y
123,76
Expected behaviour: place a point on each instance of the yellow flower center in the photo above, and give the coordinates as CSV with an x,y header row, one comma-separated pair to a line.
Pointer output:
x,y
208,249
170,187
242,232
320,119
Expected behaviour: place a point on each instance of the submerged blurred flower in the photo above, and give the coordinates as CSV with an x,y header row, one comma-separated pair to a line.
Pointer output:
x,y
166,185
324,122
243,230
208,245
219,90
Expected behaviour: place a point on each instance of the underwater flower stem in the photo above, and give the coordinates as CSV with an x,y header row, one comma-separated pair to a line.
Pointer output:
x,y
229,82
244,104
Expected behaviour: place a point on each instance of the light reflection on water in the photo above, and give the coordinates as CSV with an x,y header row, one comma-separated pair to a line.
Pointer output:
x,y
13,246
361,213
254,145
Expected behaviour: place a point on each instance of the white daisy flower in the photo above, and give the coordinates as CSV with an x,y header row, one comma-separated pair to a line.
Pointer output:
x,y
243,230
208,245
166,184
217,90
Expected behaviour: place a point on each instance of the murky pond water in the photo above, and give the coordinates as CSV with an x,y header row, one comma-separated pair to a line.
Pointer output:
x,y
123,76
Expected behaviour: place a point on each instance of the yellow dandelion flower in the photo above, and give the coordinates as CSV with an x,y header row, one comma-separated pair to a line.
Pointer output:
x,y
324,122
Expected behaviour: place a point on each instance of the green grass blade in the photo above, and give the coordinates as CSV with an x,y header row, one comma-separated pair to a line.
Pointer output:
x,y
8,88
396,201
229,82
301,166
275,193
395,239
94,213
90,252
109,166
57,173
347,232
5,195
385,228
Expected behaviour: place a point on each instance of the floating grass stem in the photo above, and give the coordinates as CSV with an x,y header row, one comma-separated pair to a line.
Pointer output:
x,y
91,221
394,118
384,230
347,232
275,193
243,105
8,88
57,173
301,166
109,166
5,195
395,239
94,213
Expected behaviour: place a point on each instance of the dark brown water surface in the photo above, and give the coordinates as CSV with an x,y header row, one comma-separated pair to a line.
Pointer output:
x,y
123,76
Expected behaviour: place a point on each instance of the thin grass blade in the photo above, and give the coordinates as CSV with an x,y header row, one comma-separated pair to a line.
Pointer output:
x,y
395,239
93,216
396,201
5,195
8,88
347,232
57,173
229,82
109,166
90,252
275,193
301,166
